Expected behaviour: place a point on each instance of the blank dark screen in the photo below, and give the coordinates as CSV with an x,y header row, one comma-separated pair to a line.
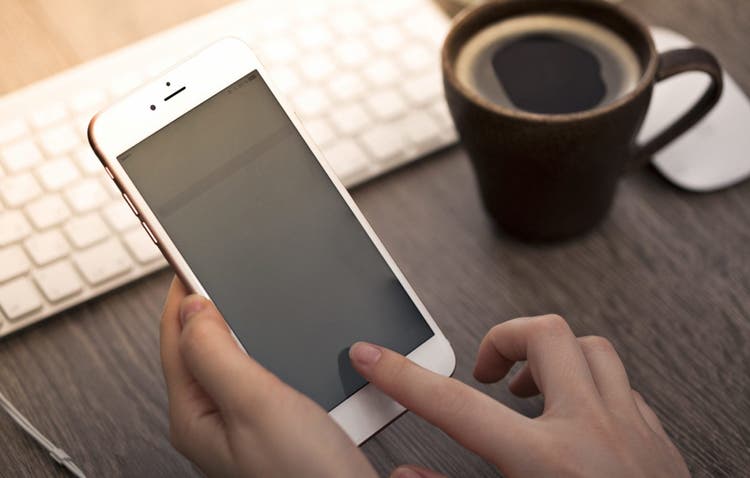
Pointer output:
x,y
272,241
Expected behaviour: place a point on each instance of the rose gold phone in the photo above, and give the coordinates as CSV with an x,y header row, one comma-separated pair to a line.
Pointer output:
x,y
238,198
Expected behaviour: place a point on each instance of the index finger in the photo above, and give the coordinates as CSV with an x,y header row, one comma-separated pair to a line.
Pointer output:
x,y
472,418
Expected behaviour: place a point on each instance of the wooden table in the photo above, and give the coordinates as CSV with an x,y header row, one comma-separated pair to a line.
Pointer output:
x,y
666,278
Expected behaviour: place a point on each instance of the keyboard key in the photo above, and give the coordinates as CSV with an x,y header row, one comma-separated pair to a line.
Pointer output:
x,y
349,22
18,298
387,38
57,173
103,262
346,158
285,79
424,89
13,129
388,9
350,119
314,36
86,195
119,216
13,263
59,140
273,24
381,73
47,247
109,185
13,227
386,104
279,50
48,211
49,115
58,281
87,161
320,130
310,102
421,129
416,57
347,86
87,100
86,230
352,53
310,11
18,190
428,25
316,67
141,246
81,125
384,143
443,115
19,156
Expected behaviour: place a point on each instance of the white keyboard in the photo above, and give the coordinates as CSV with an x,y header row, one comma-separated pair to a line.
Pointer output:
x,y
363,75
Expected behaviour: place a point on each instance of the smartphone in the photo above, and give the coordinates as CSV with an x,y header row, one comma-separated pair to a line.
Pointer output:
x,y
227,183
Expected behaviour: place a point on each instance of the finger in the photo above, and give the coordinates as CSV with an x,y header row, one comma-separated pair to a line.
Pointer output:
x,y
195,427
175,374
413,471
649,416
475,420
522,384
608,372
211,354
606,369
555,359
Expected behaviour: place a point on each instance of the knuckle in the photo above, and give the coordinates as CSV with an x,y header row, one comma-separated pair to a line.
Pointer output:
x,y
552,324
597,343
494,331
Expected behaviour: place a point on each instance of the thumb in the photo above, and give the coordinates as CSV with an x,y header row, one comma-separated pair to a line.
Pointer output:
x,y
413,471
214,358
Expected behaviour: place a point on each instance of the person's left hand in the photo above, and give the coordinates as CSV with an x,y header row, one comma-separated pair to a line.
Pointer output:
x,y
231,416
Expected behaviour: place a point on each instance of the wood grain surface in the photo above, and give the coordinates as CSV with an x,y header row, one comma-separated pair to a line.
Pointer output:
x,y
666,278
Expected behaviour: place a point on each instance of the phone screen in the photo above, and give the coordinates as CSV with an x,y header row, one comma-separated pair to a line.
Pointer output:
x,y
272,241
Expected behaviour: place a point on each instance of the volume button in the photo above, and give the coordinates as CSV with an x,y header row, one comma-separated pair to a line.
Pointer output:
x,y
132,208
150,234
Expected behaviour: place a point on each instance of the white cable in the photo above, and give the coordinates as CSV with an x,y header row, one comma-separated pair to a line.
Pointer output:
x,y
57,454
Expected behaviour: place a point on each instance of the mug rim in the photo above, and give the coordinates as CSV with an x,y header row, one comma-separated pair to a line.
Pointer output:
x,y
463,17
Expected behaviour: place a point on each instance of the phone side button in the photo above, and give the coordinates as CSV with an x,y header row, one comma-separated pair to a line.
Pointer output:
x,y
127,200
150,234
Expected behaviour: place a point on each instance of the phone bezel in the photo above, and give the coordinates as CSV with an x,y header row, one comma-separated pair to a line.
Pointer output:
x,y
130,120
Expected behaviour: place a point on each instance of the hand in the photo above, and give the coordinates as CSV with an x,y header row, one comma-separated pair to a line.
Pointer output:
x,y
232,417
593,423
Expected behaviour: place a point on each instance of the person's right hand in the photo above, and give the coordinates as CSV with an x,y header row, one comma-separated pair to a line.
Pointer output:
x,y
593,423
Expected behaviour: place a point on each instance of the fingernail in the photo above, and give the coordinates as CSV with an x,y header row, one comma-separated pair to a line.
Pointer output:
x,y
190,306
404,472
364,353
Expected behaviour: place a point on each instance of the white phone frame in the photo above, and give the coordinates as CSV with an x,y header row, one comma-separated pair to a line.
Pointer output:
x,y
130,120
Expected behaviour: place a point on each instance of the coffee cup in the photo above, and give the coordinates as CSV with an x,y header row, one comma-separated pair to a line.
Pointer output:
x,y
548,97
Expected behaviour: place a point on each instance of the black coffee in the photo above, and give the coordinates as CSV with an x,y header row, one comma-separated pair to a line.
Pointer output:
x,y
548,64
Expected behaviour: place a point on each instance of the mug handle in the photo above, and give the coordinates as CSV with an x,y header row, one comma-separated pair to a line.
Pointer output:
x,y
672,63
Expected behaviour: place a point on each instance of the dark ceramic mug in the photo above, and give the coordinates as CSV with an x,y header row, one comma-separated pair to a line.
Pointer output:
x,y
545,177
